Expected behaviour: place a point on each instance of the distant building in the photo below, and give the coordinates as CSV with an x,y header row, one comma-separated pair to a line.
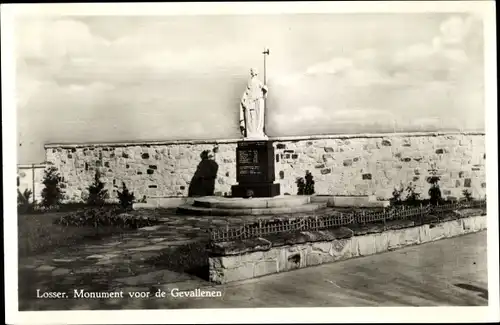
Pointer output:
x,y
30,176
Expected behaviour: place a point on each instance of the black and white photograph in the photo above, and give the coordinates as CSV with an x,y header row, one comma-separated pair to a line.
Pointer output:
x,y
242,157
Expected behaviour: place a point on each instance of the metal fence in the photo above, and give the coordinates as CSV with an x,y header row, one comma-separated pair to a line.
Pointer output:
x,y
271,227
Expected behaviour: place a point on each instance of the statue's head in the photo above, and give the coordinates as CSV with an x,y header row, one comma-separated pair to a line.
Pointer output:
x,y
254,72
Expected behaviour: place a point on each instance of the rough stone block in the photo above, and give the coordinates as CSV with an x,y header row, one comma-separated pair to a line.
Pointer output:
x,y
364,245
240,247
323,247
381,242
454,228
243,272
367,176
229,262
437,231
473,224
315,258
386,143
326,171
272,254
402,237
265,267
293,260
411,236
347,162
215,262
341,249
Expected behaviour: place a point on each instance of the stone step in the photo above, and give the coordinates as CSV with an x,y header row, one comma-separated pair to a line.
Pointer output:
x,y
350,201
253,203
192,210
163,202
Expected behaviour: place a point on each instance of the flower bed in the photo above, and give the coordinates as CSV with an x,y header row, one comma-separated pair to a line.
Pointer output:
x,y
351,218
106,216
280,252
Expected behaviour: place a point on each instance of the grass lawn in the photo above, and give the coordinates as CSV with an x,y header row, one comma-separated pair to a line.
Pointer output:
x,y
37,233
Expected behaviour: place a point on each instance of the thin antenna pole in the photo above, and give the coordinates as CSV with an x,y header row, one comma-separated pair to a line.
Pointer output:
x,y
33,180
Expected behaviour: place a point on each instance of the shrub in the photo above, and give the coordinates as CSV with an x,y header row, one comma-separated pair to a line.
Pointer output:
x,y
301,186
413,197
434,191
23,201
305,185
309,186
467,195
23,197
97,193
105,216
126,197
52,193
397,196
249,194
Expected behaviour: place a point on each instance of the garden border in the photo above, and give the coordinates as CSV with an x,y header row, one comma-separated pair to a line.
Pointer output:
x,y
250,258
314,222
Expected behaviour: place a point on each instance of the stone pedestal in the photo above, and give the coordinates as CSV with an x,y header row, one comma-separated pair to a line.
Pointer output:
x,y
255,170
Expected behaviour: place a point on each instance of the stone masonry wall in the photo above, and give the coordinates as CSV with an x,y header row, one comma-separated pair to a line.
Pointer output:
x,y
341,165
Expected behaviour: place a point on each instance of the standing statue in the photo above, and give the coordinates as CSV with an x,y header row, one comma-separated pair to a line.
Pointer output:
x,y
252,108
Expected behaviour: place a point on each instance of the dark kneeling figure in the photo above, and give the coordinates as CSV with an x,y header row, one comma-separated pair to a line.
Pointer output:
x,y
203,181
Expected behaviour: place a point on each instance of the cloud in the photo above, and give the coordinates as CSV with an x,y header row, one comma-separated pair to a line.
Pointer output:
x,y
304,114
315,119
333,66
55,39
456,29
287,80
438,58
361,114
155,77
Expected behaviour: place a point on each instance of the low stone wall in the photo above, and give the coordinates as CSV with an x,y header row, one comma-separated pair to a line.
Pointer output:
x,y
257,257
340,164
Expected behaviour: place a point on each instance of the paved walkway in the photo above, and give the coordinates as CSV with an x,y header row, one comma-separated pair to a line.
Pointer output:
x,y
119,251
447,272
120,260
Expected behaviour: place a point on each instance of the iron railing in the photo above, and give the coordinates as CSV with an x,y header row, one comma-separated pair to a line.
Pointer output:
x,y
271,227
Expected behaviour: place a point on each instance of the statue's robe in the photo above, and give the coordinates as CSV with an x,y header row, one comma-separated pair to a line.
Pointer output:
x,y
252,109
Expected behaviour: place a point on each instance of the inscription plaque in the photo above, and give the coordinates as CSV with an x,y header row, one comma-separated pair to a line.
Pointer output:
x,y
255,162
255,169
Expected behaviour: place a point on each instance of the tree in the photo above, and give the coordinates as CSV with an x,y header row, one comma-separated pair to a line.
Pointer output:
x,y
52,194
97,193
126,197
301,186
309,186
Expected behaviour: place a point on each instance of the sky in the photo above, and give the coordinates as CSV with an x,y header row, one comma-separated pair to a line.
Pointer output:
x,y
132,78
